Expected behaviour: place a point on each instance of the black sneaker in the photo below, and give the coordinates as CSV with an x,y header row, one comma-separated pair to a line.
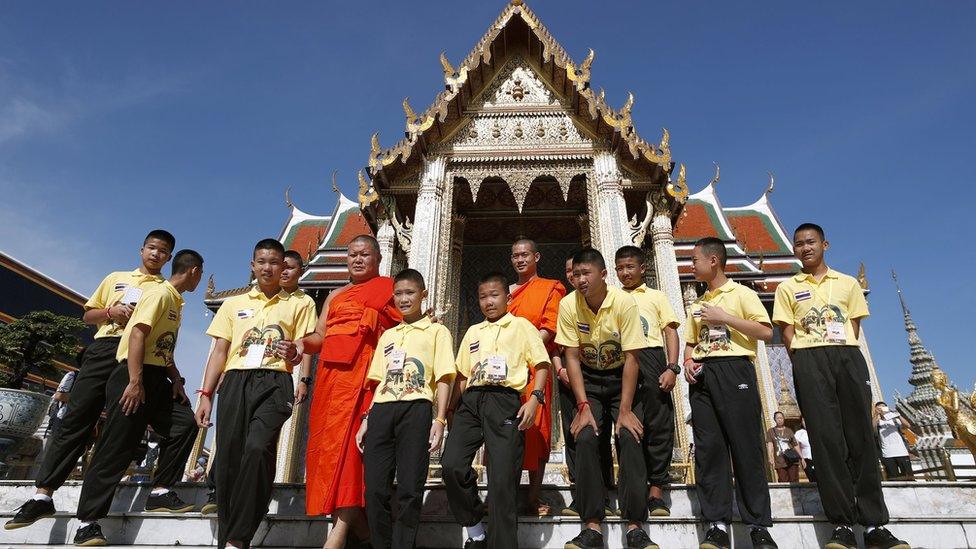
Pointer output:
x,y
842,538
761,539
638,539
657,508
167,503
211,505
476,543
90,535
571,510
587,539
715,538
29,513
881,538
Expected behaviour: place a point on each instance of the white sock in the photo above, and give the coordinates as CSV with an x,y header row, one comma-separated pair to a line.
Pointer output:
x,y
476,532
41,497
86,524
721,526
158,491
869,529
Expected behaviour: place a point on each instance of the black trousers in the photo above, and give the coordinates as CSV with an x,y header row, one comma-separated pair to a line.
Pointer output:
x,y
810,470
833,389
85,404
898,468
658,418
251,408
603,393
396,441
486,415
173,421
567,411
726,416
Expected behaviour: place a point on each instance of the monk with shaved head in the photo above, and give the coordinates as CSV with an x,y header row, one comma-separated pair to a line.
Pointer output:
x,y
536,299
352,320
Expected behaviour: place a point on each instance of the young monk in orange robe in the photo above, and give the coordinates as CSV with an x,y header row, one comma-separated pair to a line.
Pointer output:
x,y
536,300
353,319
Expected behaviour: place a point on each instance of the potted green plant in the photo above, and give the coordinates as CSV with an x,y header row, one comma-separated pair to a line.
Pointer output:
x,y
28,345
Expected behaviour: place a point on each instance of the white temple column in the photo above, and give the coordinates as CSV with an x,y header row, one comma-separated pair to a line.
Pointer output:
x,y
427,223
611,210
876,394
201,440
767,391
386,235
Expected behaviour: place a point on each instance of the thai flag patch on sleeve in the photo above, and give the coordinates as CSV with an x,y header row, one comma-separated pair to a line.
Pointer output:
x,y
583,328
802,295
388,349
474,347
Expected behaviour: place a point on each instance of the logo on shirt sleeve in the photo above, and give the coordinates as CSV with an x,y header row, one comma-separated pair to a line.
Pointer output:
x,y
583,328
802,295
388,349
696,313
172,315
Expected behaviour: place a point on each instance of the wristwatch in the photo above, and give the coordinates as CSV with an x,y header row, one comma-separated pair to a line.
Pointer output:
x,y
675,368
305,380
540,396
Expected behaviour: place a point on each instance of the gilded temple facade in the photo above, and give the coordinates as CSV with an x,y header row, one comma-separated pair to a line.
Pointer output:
x,y
517,144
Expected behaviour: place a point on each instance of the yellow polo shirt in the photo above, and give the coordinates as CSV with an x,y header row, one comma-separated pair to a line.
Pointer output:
x,y
737,300
602,337
409,361
656,313
500,353
252,320
812,307
110,292
160,308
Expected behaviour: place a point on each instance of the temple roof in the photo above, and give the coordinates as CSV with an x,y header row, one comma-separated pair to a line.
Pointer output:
x,y
303,232
517,30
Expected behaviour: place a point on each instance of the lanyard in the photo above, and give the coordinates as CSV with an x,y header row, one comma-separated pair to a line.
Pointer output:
x,y
830,291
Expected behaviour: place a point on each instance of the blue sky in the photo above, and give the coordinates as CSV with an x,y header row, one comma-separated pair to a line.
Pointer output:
x,y
119,117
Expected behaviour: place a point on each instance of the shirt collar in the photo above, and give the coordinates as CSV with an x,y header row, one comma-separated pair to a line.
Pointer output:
x,y
299,293
503,321
806,277
727,287
176,293
139,274
607,301
640,289
421,324
256,293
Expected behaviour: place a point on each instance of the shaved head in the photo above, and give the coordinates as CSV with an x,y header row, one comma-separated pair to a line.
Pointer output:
x,y
366,239
526,242
525,259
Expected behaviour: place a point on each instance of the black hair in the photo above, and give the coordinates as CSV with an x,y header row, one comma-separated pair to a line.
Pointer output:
x,y
160,234
627,252
879,403
269,244
184,260
529,241
713,246
778,413
412,275
591,256
369,239
810,227
494,276
292,254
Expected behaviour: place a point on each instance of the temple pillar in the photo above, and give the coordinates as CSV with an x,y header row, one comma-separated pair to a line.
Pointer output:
x,y
386,236
876,394
424,244
611,210
767,392
689,295
666,270
202,433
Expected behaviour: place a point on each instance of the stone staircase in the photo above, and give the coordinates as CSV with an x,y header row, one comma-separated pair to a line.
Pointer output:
x,y
927,514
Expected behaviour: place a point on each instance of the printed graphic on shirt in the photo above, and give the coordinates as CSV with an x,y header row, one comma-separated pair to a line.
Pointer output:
x,y
405,381
607,356
713,338
645,325
269,336
490,370
818,319
165,345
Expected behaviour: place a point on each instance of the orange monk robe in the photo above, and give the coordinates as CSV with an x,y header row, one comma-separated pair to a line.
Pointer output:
x,y
333,466
538,302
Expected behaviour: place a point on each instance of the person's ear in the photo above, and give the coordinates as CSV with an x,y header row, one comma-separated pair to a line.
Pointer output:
x,y
826,244
423,294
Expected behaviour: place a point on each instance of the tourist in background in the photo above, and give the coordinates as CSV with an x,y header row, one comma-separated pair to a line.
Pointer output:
x,y
803,442
784,451
894,451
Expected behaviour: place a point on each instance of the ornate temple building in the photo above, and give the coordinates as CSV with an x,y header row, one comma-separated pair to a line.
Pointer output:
x,y
520,143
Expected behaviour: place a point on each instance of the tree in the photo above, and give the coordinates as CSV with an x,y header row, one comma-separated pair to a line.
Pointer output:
x,y
33,342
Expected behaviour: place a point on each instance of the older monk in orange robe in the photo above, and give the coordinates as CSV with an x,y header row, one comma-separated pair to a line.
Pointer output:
x,y
352,320
537,300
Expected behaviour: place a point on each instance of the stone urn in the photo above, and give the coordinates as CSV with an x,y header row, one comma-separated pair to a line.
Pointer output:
x,y
21,413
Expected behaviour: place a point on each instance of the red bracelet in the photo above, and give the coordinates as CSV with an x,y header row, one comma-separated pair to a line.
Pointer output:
x,y
581,405
208,394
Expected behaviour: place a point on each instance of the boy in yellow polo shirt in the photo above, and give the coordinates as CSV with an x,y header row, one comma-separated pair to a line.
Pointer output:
x,y
109,308
600,328
820,312
722,329
414,360
257,394
493,364
140,393
659,372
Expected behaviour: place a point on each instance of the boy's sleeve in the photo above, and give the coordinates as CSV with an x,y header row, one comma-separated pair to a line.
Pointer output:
x,y
631,329
306,321
752,308
463,361
691,327
858,305
535,351
566,334
668,318
99,299
377,368
783,306
222,325
443,355
149,309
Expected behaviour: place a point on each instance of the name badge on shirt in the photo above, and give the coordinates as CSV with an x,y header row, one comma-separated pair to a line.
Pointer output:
x,y
255,355
244,314
836,333
716,332
397,358
496,369
131,295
